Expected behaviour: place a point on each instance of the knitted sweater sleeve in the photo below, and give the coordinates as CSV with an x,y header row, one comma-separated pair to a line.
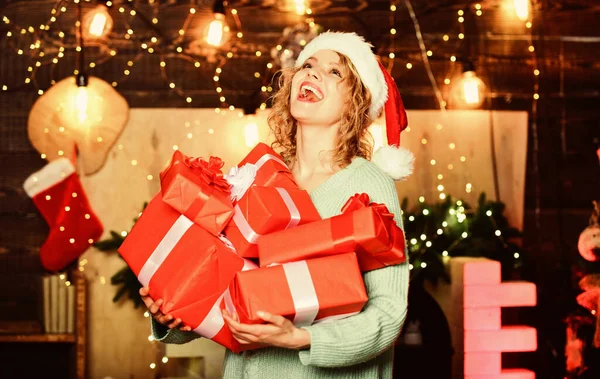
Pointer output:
x,y
175,336
361,337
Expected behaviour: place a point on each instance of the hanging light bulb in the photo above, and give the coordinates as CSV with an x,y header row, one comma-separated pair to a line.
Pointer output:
x,y
470,84
82,99
300,7
251,128
469,91
218,30
97,23
521,9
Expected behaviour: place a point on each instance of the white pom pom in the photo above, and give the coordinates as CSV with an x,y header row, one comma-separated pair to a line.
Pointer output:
x,y
397,162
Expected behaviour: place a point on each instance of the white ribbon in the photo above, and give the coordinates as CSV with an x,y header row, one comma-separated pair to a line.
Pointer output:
x,y
242,178
213,322
226,242
244,227
303,292
164,248
269,157
291,206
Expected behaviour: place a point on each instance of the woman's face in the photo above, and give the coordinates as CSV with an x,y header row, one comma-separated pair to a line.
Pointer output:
x,y
318,94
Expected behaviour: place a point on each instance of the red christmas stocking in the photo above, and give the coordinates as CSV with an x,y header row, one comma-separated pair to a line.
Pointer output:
x,y
60,198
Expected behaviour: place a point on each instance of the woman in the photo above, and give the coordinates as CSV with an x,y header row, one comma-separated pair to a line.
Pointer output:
x,y
320,118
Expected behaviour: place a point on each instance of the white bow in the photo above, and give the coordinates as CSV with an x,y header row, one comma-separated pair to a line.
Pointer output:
x,y
241,179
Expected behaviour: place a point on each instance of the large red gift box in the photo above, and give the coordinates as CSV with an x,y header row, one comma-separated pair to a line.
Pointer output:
x,y
368,230
264,210
183,264
198,190
304,292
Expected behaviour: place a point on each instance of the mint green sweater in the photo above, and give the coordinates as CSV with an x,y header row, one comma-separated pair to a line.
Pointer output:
x,y
357,347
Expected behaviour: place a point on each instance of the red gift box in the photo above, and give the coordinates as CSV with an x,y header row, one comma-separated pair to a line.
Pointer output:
x,y
313,290
368,230
271,169
198,190
183,264
264,210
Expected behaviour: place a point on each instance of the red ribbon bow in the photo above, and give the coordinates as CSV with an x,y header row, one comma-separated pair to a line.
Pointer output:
x,y
361,200
210,172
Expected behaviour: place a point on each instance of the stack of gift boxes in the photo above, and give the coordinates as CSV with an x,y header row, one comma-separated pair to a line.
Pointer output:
x,y
252,240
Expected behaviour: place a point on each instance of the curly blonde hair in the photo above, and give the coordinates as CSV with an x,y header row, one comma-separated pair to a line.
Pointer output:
x,y
353,139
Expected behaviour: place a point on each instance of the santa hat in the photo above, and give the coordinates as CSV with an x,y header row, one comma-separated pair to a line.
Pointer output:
x,y
397,162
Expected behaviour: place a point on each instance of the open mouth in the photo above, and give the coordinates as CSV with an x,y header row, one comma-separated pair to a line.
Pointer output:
x,y
309,92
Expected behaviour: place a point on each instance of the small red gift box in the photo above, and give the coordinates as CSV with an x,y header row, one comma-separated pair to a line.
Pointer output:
x,y
368,230
198,190
304,292
264,210
271,169
183,264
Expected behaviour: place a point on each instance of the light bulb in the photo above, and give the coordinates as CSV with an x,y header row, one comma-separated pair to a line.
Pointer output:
x,y
469,91
216,30
251,132
81,103
521,9
97,23
300,7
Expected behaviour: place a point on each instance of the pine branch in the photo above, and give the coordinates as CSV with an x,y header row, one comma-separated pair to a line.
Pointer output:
x,y
453,228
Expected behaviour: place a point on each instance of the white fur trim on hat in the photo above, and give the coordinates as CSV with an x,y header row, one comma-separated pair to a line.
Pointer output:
x,y
397,162
360,54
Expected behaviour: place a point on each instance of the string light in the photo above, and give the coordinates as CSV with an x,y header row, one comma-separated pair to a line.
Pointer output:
x,y
392,56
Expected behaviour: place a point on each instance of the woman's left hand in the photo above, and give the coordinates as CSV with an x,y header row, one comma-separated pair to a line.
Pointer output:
x,y
279,331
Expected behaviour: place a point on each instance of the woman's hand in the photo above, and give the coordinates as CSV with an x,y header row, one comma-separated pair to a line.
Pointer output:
x,y
279,331
154,309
